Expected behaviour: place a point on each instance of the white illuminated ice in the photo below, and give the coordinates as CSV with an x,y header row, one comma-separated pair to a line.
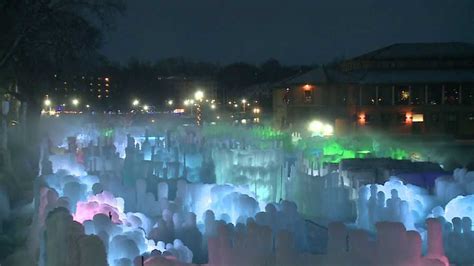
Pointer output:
x,y
393,202
163,207
461,206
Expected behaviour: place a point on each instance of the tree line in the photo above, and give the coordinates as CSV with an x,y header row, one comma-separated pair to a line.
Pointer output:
x,y
153,80
43,38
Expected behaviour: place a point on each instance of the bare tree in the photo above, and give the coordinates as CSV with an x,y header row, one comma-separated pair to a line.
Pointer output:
x,y
22,21
38,37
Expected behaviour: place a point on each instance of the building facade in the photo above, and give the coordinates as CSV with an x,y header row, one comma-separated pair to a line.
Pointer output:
x,y
421,88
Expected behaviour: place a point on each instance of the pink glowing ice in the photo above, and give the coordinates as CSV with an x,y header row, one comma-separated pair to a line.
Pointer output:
x,y
104,203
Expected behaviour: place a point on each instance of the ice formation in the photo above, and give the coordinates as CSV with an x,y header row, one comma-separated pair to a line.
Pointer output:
x,y
176,198
394,202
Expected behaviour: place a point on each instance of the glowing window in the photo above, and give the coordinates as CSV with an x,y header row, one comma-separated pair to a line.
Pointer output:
x,y
417,118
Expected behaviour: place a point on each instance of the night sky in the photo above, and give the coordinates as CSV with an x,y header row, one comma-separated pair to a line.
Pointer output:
x,y
292,31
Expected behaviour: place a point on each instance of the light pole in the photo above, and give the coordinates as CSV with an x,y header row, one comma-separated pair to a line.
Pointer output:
x,y
75,102
47,103
199,95
319,129
256,113
244,103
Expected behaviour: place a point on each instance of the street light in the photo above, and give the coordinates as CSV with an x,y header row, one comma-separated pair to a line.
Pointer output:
x,y
199,95
213,106
145,107
75,102
244,101
135,102
315,126
328,130
318,128
170,102
47,104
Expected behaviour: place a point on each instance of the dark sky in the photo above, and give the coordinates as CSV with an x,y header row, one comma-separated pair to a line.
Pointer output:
x,y
292,31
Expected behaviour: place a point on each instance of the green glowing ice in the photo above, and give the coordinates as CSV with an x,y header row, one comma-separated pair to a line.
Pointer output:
x,y
107,132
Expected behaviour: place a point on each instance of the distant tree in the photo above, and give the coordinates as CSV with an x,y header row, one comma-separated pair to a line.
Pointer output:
x,y
34,22
238,75
271,70
40,37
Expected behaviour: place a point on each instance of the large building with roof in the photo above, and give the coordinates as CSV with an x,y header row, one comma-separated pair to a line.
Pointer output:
x,y
413,88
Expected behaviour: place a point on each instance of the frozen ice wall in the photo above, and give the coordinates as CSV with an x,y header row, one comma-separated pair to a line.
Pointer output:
x,y
457,193
66,244
159,219
393,246
410,205
68,163
258,167
175,233
394,202
460,183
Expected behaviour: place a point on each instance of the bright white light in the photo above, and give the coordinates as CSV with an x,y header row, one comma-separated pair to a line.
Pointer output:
x,y
328,130
461,206
213,106
47,102
88,106
199,95
315,126
170,102
244,121
135,102
235,105
244,101
75,102
145,107
186,102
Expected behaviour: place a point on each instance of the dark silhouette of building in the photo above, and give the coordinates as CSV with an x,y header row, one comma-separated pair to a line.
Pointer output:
x,y
413,88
